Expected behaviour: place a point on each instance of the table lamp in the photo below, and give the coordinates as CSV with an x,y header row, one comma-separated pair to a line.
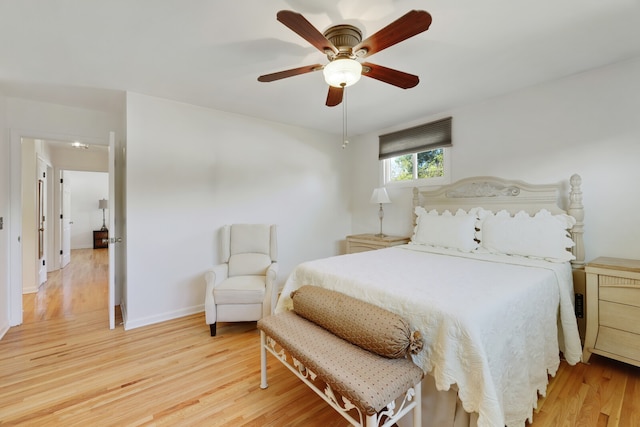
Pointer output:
x,y
380,196
103,204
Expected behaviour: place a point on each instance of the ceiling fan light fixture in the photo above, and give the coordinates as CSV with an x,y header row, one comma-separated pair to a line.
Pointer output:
x,y
78,144
342,72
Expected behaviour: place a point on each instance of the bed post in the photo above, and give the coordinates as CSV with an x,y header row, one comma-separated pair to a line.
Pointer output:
x,y
416,203
576,210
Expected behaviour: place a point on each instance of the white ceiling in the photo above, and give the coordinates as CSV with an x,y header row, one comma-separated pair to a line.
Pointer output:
x,y
210,53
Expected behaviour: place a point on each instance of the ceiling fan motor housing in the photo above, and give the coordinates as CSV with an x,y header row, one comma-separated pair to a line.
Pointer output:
x,y
344,38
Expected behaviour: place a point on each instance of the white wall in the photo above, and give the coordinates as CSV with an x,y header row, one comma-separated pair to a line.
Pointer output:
x,y
587,123
94,159
41,119
86,189
191,170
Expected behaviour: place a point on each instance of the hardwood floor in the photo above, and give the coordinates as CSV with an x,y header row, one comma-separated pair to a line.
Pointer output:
x,y
81,287
63,366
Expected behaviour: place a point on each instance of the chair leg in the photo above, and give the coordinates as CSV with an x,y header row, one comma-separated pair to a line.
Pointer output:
x,y
213,329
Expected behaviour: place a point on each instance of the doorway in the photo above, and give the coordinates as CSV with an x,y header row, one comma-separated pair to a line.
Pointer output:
x,y
52,242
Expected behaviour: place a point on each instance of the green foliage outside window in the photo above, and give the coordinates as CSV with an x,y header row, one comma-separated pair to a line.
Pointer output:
x,y
429,165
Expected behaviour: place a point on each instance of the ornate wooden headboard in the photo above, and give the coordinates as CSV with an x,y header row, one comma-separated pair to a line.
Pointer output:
x,y
496,194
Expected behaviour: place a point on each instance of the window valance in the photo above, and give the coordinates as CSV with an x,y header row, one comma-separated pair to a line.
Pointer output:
x,y
416,139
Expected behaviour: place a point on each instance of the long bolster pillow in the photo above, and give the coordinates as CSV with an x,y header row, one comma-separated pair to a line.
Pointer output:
x,y
361,323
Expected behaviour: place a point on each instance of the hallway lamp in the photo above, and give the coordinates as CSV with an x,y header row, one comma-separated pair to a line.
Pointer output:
x,y
380,196
103,204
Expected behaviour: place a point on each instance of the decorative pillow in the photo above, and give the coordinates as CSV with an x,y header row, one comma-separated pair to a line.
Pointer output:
x,y
542,236
448,231
365,325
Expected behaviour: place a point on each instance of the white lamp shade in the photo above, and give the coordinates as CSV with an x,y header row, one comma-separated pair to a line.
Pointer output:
x,y
103,204
380,196
342,72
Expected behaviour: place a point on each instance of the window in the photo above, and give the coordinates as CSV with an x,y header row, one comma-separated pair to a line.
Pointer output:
x,y
423,165
419,154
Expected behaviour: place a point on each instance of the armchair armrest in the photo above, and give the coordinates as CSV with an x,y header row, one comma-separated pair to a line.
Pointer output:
x,y
213,277
271,291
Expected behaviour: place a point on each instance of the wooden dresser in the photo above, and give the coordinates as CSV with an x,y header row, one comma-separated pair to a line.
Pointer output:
x,y
613,309
368,242
100,239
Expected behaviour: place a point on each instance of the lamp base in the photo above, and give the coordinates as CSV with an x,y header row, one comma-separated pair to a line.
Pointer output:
x,y
104,222
380,235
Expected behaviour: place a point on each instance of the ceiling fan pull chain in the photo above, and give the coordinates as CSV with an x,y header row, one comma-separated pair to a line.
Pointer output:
x,y
345,141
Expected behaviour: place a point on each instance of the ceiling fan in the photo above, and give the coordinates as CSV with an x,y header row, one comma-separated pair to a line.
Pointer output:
x,y
343,45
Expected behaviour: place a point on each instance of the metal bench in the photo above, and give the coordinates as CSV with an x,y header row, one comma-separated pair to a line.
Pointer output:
x,y
365,388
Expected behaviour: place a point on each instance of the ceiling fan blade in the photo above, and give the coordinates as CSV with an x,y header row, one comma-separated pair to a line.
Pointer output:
x,y
388,75
412,23
299,25
289,73
334,97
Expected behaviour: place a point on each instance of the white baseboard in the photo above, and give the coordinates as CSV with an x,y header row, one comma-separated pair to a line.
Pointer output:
x,y
4,328
162,317
123,311
31,290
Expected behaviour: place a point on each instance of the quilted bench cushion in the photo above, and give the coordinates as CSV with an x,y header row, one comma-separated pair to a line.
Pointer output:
x,y
361,323
369,381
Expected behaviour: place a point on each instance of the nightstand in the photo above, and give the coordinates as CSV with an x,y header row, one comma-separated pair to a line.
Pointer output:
x,y
613,309
368,242
100,239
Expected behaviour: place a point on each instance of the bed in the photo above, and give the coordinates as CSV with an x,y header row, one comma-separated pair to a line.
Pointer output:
x,y
487,280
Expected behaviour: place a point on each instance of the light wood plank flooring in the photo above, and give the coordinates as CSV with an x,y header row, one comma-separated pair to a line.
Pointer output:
x,y
63,366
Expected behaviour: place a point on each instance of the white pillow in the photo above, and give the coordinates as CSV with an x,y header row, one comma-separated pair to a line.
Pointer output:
x,y
446,230
542,236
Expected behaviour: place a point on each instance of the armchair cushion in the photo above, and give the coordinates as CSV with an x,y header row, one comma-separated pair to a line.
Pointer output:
x,y
250,238
249,263
240,290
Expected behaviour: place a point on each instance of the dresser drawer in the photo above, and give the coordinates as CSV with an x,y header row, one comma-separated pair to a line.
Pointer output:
x,y
369,242
355,247
619,289
617,342
620,316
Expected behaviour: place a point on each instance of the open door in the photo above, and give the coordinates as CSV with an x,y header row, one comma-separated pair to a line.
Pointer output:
x,y
41,223
112,229
65,221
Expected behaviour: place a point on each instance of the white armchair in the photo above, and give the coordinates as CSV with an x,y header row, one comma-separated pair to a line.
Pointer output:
x,y
244,287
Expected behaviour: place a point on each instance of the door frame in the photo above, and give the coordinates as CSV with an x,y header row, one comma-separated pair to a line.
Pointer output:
x,y
114,235
15,214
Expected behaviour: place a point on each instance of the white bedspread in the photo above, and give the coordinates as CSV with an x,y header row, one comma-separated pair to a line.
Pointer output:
x,y
490,322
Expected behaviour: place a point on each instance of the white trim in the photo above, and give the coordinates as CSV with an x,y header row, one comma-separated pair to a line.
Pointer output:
x,y
15,230
161,317
4,329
